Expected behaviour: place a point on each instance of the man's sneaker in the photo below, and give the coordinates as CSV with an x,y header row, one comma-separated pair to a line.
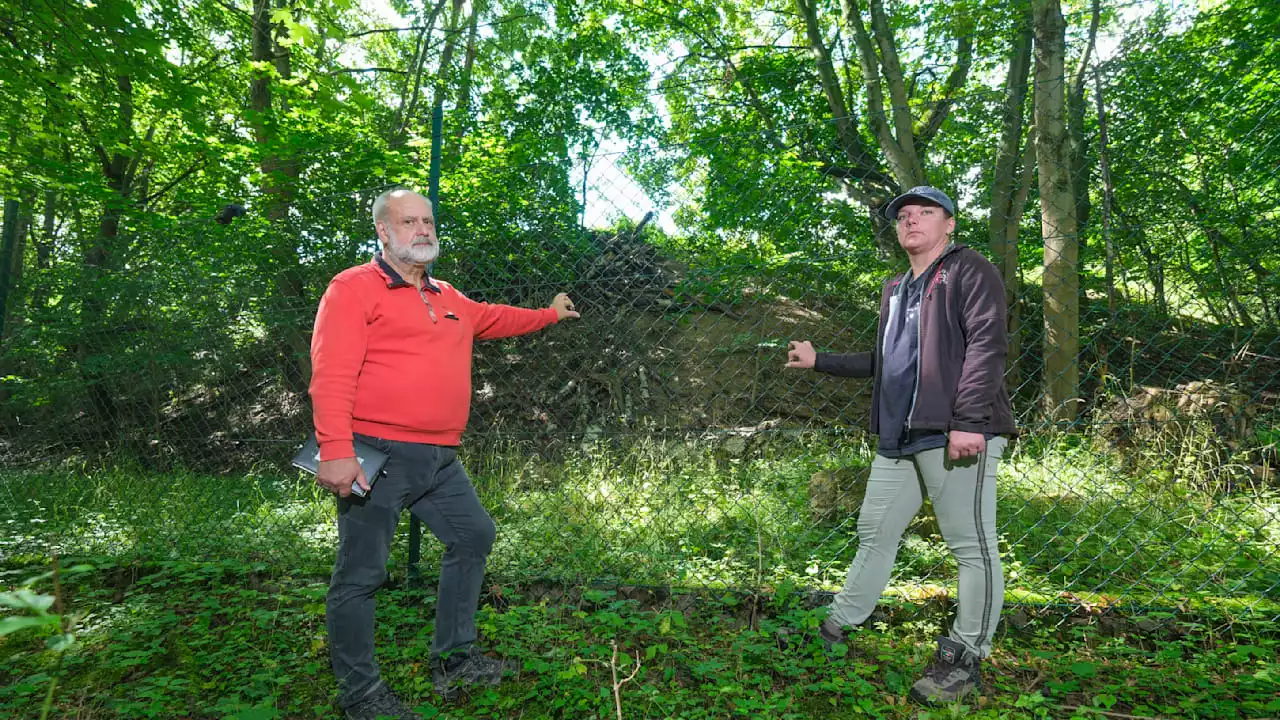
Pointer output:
x,y
381,704
954,673
466,669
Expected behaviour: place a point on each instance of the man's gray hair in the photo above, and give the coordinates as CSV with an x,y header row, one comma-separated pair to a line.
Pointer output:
x,y
380,202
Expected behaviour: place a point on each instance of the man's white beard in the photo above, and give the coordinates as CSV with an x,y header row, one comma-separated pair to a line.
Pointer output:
x,y
412,254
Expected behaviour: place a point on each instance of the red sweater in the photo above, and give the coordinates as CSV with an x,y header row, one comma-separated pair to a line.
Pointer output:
x,y
381,366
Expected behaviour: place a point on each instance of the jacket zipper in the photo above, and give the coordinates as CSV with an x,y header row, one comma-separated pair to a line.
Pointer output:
x,y
915,392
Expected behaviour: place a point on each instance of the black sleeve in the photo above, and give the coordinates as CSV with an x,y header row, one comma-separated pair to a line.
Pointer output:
x,y
859,365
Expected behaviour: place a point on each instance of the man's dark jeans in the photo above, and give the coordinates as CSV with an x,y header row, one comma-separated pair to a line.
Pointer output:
x,y
429,480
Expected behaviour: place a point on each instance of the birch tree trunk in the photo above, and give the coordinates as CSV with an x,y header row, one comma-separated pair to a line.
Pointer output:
x,y
1058,224
1008,193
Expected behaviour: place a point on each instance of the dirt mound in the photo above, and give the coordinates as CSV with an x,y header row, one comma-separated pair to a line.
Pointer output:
x,y
687,370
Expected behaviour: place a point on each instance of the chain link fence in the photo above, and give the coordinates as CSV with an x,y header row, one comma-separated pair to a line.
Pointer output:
x,y
149,410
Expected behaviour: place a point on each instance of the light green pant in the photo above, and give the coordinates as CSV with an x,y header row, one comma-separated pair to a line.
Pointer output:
x,y
963,494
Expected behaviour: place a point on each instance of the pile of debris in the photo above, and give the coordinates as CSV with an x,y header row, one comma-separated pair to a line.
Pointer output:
x,y
627,272
1150,408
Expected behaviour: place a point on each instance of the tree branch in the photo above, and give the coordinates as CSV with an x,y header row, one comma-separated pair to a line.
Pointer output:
x,y
247,15
98,149
1023,191
860,173
861,197
131,170
1004,179
376,31
1077,85
955,81
617,684
901,109
903,168
846,123
174,182
414,28
416,67
341,71
723,55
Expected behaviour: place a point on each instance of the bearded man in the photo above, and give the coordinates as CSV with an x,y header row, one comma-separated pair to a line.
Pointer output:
x,y
391,359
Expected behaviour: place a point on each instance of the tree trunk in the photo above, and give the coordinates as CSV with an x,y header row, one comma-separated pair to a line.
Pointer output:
x,y
1108,193
1057,219
1075,114
892,123
413,80
1226,280
17,259
100,254
1021,194
444,71
864,167
279,183
1202,288
463,115
899,149
1006,211
8,238
1155,273
845,123
44,243
1260,273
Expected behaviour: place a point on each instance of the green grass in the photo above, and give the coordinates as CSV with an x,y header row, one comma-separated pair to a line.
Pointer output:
x,y
1072,519
221,640
1144,588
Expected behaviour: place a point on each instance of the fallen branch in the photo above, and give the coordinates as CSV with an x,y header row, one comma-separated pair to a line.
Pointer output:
x,y
1034,682
617,684
1077,708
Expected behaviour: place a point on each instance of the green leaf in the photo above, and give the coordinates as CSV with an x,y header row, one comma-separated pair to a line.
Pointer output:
x,y
257,713
1084,669
25,599
60,642
20,622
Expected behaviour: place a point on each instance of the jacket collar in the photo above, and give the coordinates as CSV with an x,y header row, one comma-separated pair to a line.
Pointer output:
x,y
932,269
393,278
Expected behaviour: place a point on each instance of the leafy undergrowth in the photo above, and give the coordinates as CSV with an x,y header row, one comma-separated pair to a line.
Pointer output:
x,y
234,639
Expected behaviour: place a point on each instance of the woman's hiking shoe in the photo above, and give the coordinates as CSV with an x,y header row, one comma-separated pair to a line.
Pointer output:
x,y
954,673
